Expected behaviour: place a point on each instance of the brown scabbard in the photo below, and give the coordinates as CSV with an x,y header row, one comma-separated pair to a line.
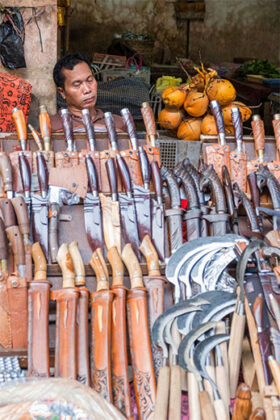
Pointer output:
x,y
155,286
141,354
218,156
66,159
38,328
49,159
238,169
5,321
101,311
66,332
14,158
83,372
131,158
120,380
95,155
153,153
104,156
18,301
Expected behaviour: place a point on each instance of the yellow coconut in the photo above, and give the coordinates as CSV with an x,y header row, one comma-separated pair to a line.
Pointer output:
x,y
170,118
245,112
221,90
189,129
174,96
196,104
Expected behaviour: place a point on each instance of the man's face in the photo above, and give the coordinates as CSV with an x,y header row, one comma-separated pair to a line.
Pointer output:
x,y
80,88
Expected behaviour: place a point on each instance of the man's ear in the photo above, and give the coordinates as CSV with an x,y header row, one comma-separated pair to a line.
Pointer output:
x,y
61,91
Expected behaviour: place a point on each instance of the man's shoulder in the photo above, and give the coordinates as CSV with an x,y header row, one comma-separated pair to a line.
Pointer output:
x,y
56,122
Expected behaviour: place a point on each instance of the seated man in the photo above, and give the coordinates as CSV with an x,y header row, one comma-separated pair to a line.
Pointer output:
x,y
76,84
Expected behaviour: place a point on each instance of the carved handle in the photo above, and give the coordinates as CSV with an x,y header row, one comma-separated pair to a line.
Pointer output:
x,y
99,267
276,129
20,123
89,128
66,265
157,181
124,173
36,136
42,173
151,256
16,241
145,167
40,263
219,120
258,134
67,124
112,176
255,193
22,214
149,121
243,405
6,172
238,127
110,125
92,175
3,242
80,276
133,266
172,187
25,173
128,120
116,263
45,127
8,212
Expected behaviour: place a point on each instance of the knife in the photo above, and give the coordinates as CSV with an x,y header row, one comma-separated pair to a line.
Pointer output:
x,y
151,132
238,159
45,127
70,156
6,174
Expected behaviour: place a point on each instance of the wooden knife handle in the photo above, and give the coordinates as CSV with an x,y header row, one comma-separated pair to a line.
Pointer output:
x,y
116,263
6,172
124,173
222,380
20,123
276,128
151,256
66,265
149,119
40,263
92,174
21,213
16,241
133,266
99,267
8,212
89,128
235,350
110,125
130,125
161,405
258,134
220,410
36,137
3,242
243,405
42,173
80,276
206,407
193,397
45,127
175,393
25,172
275,370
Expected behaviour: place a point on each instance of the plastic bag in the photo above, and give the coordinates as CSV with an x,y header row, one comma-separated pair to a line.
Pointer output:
x,y
11,42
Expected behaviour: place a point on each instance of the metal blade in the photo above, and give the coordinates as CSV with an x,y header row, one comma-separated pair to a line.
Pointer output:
x,y
39,221
93,221
129,223
158,229
142,202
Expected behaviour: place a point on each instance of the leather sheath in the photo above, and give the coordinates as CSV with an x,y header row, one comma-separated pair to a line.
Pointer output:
x,y
5,321
218,156
66,159
131,158
38,328
274,168
14,158
104,156
66,332
49,158
18,301
140,348
95,155
101,311
155,299
83,372
238,169
120,379
153,153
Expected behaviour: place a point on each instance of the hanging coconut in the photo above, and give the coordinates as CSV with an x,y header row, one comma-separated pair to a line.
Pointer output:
x,y
208,126
174,96
196,104
189,129
244,111
221,90
170,118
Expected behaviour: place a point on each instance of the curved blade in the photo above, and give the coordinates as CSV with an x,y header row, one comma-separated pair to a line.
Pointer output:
x,y
216,267
201,352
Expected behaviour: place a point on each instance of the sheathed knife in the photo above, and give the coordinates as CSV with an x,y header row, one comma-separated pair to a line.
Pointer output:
x,y
238,159
127,209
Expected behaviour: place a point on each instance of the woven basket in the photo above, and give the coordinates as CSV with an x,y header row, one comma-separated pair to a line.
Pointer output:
x,y
144,47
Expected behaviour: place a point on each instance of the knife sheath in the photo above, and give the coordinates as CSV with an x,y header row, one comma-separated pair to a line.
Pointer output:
x,y
104,156
65,159
5,319
49,159
155,286
218,156
17,300
95,156
14,158
111,222
141,355
238,169
66,332
153,153
101,312
38,328
120,379
131,158
83,372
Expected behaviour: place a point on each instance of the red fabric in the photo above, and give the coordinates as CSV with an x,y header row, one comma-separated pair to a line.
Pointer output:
x,y
184,205
14,92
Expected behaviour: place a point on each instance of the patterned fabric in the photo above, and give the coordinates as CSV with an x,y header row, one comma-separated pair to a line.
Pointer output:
x,y
14,92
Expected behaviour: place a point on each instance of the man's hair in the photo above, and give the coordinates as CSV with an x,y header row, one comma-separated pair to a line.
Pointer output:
x,y
67,62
